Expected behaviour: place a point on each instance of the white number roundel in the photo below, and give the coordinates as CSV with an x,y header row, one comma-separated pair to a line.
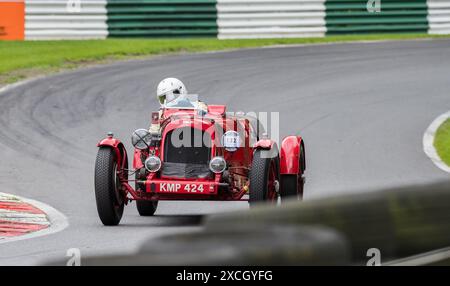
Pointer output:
x,y
231,141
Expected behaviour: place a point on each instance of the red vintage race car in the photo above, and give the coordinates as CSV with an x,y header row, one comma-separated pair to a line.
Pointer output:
x,y
192,155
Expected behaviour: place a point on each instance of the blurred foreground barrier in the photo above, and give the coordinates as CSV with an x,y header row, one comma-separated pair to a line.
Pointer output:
x,y
235,245
439,257
399,222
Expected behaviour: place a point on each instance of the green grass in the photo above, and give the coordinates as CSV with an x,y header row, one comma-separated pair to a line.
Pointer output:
x,y
22,59
442,141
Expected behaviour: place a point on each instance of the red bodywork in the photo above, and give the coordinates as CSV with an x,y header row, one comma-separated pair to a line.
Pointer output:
x,y
232,185
290,159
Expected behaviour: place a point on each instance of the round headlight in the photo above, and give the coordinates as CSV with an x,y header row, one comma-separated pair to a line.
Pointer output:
x,y
217,165
141,139
153,164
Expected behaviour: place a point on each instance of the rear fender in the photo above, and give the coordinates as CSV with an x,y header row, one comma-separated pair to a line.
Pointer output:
x,y
290,156
117,147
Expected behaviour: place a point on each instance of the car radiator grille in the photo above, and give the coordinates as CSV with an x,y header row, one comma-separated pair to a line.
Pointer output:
x,y
186,154
192,149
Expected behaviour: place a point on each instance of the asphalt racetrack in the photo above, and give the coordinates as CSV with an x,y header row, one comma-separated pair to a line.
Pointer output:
x,y
362,109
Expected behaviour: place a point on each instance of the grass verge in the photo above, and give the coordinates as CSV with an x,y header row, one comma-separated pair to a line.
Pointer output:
x,y
442,141
24,59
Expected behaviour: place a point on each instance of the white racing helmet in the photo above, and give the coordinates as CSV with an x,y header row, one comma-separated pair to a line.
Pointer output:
x,y
170,89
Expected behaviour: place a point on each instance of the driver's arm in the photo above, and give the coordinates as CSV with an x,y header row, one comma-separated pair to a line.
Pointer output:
x,y
201,105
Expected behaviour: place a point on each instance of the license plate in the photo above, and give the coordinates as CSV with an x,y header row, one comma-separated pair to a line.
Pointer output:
x,y
189,188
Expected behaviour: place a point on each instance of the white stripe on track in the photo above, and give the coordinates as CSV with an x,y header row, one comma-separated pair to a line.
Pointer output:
x,y
428,142
23,217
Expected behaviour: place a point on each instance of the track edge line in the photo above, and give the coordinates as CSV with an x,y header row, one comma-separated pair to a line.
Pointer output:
x,y
428,142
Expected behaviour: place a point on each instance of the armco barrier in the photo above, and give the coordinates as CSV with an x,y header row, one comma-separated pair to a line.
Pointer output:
x,y
53,19
225,19
157,18
270,18
438,16
11,19
395,16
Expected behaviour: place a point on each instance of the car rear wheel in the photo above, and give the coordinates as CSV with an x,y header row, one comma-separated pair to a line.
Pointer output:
x,y
292,185
110,201
146,208
264,177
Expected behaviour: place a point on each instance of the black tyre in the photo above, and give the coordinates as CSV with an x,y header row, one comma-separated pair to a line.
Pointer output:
x,y
264,177
110,201
146,208
292,185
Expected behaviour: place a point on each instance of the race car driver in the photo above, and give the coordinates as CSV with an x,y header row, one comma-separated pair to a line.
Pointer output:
x,y
172,92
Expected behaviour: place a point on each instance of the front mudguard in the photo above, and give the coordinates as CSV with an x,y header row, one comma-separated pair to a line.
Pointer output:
x,y
291,162
119,150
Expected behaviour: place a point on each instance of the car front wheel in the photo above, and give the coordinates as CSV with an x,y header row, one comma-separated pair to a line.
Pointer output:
x,y
264,177
110,201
